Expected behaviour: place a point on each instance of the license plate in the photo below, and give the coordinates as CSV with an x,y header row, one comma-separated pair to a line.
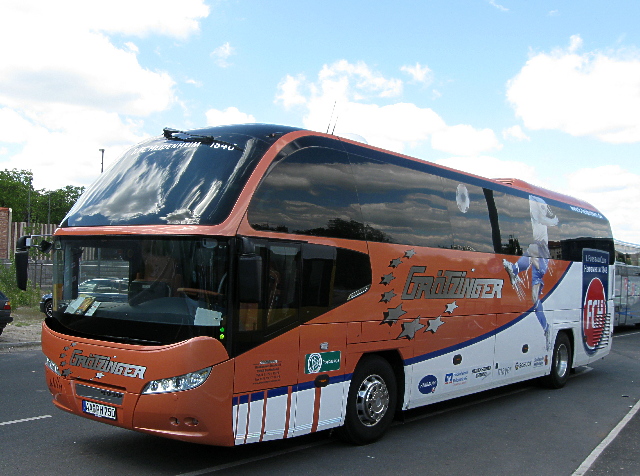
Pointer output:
x,y
99,410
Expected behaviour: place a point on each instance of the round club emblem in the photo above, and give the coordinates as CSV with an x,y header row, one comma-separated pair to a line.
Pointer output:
x,y
314,364
594,315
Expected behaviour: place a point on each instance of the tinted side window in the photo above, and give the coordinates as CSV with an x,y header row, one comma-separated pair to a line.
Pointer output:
x,y
533,222
310,192
300,281
514,223
401,205
469,215
331,277
576,231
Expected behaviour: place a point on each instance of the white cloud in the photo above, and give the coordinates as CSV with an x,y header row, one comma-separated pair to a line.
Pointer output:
x,y
590,94
138,18
289,94
230,115
615,192
515,132
68,90
349,95
498,6
419,73
463,139
366,80
222,53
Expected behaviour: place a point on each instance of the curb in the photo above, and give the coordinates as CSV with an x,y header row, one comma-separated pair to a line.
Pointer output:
x,y
18,344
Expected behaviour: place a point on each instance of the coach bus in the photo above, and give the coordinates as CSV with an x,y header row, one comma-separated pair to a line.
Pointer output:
x,y
275,282
626,298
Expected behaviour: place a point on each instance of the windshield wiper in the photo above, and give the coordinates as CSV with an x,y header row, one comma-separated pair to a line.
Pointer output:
x,y
174,134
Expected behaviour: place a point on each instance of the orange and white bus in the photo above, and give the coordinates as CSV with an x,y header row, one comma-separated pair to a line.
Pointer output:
x,y
247,283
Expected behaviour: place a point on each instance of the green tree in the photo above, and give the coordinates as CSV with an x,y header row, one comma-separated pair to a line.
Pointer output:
x,y
15,188
51,206
35,206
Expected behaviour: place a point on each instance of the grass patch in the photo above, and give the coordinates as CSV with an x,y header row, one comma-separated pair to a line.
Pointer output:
x,y
27,316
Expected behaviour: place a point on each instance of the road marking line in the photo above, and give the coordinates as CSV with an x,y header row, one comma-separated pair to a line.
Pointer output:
x,y
625,335
24,419
586,464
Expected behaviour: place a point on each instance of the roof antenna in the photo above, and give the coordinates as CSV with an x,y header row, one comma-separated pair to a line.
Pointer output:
x,y
331,118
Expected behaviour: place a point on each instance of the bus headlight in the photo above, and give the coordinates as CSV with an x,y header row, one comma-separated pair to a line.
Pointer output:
x,y
177,384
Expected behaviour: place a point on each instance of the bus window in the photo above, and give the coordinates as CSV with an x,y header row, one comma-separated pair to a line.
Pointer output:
x,y
301,281
469,214
514,223
401,205
310,192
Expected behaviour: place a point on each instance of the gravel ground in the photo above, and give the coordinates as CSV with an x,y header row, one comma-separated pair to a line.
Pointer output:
x,y
24,330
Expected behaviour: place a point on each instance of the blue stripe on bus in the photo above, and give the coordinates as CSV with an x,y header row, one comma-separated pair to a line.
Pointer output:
x,y
277,392
257,396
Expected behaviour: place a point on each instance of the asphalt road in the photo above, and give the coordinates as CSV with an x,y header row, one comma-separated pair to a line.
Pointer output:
x,y
520,429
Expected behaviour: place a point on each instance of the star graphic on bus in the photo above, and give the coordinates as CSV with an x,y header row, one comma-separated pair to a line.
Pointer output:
x,y
387,278
388,296
409,254
409,329
391,315
434,324
395,263
451,307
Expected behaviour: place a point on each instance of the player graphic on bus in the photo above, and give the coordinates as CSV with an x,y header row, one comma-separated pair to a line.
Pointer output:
x,y
536,257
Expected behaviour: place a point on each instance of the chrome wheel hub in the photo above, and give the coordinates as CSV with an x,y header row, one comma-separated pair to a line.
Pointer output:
x,y
372,401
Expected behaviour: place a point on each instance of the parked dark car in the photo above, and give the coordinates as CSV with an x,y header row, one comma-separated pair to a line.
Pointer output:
x,y
46,304
104,289
5,312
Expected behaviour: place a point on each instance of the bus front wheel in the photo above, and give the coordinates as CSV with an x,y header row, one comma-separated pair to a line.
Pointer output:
x,y
371,402
560,362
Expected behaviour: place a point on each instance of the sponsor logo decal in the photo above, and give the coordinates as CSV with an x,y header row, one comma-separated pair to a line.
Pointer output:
x,y
595,268
321,362
482,372
456,378
539,361
428,384
522,365
504,371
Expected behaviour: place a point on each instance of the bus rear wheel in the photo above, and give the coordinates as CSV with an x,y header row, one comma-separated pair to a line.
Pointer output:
x,y
560,362
371,402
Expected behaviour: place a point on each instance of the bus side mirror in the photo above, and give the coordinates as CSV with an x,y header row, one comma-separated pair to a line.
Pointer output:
x,y
250,279
45,246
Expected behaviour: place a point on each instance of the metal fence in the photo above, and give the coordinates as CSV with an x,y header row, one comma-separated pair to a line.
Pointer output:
x,y
40,273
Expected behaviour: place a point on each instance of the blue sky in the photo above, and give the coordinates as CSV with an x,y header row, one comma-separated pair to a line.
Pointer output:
x,y
544,91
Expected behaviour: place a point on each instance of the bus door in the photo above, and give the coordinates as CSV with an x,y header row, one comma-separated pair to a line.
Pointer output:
x,y
267,341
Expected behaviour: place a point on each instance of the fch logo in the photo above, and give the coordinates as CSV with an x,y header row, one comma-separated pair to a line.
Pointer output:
x,y
594,315
595,280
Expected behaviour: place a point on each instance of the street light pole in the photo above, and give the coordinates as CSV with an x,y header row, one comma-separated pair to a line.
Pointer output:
x,y
102,163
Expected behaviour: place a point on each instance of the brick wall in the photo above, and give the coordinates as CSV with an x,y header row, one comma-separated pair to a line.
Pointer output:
x,y
5,232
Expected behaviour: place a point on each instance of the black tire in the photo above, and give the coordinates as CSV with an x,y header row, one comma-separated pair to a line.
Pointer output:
x,y
48,308
560,362
371,402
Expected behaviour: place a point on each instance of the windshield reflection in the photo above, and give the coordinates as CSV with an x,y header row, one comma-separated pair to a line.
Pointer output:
x,y
148,290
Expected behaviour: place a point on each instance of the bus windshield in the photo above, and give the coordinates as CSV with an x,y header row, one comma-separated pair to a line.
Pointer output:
x,y
168,182
141,291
